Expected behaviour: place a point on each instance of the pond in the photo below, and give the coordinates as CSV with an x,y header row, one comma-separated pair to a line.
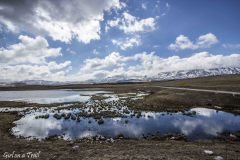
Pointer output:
x,y
108,114
197,123
59,96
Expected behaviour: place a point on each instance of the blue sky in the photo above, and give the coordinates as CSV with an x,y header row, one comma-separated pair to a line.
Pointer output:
x,y
81,40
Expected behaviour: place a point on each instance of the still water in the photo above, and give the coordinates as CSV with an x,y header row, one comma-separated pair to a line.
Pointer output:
x,y
204,124
201,123
49,96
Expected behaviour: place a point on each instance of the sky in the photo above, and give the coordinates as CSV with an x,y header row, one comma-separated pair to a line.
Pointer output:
x,y
79,40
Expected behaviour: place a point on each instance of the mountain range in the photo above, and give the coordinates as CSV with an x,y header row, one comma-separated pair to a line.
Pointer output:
x,y
182,74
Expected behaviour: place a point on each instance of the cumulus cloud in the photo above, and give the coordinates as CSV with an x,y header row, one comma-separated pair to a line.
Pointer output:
x,y
113,59
204,41
28,50
29,59
150,64
127,42
62,20
32,72
131,24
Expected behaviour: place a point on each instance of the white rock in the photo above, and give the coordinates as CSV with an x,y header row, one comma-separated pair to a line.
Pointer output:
x,y
233,136
75,147
218,107
218,158
111,140
208,152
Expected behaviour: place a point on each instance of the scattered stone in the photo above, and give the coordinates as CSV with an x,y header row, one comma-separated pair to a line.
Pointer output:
x,y
75,147
99,137
208,152
232,136
218,158
110,140
57,116
78,119
126,111
46,116
217,107
139,115
67,116
101,121
120,136
189,113
73,117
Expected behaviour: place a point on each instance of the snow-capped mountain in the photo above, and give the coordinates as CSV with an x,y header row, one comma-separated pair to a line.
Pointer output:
x,y
196,73
183,74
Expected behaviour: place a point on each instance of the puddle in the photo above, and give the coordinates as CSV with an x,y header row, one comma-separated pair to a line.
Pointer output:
x,y
198,123
60,96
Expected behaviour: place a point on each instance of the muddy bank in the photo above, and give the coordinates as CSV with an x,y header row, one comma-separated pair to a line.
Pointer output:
x,y
159,99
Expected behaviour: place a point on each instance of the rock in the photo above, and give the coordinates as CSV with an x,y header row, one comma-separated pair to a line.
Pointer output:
x,y
232,136
99,137
217,107
111,140
73,117
78,119
139,115
67,116
57,116
172,138
120,136
101,121
76,147
208,152
218,158
46,116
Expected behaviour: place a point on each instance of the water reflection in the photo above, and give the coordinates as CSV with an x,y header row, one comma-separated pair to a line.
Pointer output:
x,y
205,124
61,96
48,96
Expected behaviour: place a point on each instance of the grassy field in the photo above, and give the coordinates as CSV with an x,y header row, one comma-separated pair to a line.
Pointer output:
x,y
162,99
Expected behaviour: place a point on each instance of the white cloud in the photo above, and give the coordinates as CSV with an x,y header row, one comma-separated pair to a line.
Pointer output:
x,y
231,46
150,64
28,50
69,50
207,40
32,72
204,41
127,42
144,6
95,52
29,59
131,24
112,59
62,20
